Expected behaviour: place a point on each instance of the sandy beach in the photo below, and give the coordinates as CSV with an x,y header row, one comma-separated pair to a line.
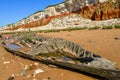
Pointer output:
x,y
101,42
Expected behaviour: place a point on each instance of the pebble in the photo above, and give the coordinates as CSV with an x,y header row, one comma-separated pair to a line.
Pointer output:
x,y
23,72
13,75
11,78
7,67
68,35
12,61
28,76
6,62
32,66
34,75
36,64
44,79
21,64
37,71
91,41
35,79
3,58
117,38
62,74
49,78
26,67
52,66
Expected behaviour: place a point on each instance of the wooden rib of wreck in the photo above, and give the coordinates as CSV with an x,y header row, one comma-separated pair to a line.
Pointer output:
x,y
63,53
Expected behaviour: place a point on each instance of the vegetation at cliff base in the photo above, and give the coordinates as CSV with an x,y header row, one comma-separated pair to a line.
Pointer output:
x,y
117,26
107,27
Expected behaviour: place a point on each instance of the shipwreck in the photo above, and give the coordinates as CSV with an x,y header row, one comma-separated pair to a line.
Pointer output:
x,y
61,52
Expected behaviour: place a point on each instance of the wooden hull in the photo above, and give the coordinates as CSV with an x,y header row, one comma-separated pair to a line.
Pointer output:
x,y
105,73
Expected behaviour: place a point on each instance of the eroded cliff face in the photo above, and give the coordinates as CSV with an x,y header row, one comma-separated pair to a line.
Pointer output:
x,y
91,9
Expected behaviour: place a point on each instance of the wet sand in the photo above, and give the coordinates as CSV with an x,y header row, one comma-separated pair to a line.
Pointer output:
x,y
101,42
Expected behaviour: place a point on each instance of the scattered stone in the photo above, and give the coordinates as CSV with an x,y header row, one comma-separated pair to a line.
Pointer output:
x,y
117,38
35,79
18,75
44,79
68,35
13,75
18,59
3,58
7,67
49,78
52,66
11,78
23,72
36,64
38,71
26,67
21,64
62,74
32,66
28,76
6,62
91,41
12,60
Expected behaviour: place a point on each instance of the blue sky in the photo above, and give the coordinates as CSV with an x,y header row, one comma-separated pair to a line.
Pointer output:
x,y
13,10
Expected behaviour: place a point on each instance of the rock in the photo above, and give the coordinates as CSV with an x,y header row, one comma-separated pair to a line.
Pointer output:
x,y
68,35
52,66
34,75
21,64
11,78
23,72
7,67
49,78
91,41
117,38
62,74
34,79
3,58
26,67
37,71
28,76
32,66
16,75
44,79
36,64
6,62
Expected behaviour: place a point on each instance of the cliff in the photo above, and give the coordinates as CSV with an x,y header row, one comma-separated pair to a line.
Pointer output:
x,y
96,10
